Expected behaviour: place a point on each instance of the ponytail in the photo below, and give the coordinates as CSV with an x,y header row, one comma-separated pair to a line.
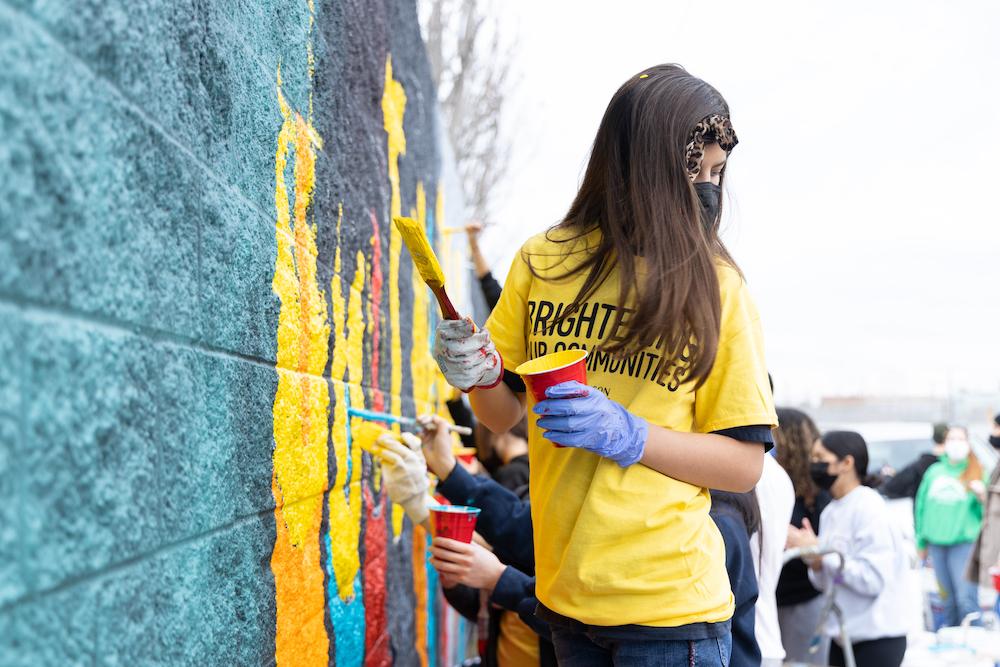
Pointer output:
x,y
848,443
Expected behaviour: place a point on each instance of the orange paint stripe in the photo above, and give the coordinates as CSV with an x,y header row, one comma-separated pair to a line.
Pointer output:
x,y
420,590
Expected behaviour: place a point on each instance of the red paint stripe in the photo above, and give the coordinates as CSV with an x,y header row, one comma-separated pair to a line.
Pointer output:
x,y
377,652
377,649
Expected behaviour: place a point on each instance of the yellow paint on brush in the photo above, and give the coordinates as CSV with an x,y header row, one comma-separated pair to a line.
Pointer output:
x,y
393,108
415,237
301,405
366,433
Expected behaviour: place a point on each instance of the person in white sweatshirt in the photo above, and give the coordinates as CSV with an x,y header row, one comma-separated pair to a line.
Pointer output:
x,y
776,498
870,590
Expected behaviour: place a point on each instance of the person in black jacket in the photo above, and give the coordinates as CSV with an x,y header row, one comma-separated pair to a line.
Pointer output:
x,y
491,288
905,483
504,522
737,515
490,455
511,452
799,603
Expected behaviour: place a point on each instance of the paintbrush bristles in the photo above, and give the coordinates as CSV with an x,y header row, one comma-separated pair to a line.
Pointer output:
x,y
423,255
366,433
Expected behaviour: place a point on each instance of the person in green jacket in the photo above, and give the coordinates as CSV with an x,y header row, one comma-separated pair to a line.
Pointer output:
x,y
948,515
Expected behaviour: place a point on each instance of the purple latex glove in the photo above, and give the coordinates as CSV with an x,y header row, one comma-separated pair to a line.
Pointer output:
x,y
575,415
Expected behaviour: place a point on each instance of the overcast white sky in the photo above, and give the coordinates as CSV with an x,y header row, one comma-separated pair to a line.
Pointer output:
x,y
861,196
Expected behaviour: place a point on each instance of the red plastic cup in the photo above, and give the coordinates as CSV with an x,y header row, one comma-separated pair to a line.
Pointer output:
x,y
466,455
552,369
455,522
995,575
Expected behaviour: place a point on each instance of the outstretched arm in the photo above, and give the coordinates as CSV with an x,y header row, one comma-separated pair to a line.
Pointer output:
x,y
498,408
505,519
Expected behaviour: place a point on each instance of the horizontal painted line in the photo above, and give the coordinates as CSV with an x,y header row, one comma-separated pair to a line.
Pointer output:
x,y
101,322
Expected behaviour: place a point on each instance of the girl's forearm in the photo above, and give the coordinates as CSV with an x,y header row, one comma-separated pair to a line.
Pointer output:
x,y
498,408
704,459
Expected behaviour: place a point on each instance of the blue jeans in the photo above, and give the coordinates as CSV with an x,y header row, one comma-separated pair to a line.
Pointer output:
x,y
584,649
960,596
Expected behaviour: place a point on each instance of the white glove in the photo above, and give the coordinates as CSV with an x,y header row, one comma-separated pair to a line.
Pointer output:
x,y
405,474
466,357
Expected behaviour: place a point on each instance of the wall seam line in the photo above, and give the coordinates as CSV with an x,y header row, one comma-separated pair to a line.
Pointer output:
x,y
111,568
30,306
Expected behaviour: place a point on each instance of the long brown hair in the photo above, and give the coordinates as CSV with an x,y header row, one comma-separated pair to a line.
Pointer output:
x,y
793,440
637,192
973,469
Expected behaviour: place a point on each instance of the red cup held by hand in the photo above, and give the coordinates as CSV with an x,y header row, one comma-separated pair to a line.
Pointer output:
x,y
455,522
552,369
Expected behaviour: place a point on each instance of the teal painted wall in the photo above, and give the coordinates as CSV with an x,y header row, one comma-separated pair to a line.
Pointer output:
x,y
138,323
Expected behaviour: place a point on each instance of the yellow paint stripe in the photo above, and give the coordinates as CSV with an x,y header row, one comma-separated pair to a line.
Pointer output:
x,y
301,405
393,108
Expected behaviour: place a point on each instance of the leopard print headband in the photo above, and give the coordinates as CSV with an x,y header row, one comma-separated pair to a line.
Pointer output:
x,y
714,128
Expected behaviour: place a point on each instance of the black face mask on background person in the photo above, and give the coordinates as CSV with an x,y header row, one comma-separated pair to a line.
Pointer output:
x,y
820,473
995,441
709,194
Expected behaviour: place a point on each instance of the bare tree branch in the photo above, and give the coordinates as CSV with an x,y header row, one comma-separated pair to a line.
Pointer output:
x,y
471,69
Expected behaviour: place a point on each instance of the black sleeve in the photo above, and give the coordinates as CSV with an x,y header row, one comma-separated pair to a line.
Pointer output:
x,y
462,416
758,433
904,483
515,591
512,476
491,289
514,382
464,600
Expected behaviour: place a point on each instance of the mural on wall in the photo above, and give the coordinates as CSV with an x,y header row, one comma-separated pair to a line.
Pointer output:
x,y
199,280
333,521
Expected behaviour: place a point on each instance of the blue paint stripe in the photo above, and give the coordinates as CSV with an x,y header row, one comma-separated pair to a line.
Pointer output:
x,y
432,608
347,618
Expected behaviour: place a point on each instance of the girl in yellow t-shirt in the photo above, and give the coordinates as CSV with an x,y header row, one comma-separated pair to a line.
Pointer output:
x,y
630,567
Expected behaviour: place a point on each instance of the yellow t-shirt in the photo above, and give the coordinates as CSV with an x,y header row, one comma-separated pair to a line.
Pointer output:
x,y
620,546
517,645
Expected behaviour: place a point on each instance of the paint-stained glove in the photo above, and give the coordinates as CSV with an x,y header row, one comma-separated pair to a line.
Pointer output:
x,y
405,474
467,357
575,415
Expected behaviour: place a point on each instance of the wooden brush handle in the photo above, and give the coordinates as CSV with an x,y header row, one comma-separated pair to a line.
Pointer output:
x,y
448,311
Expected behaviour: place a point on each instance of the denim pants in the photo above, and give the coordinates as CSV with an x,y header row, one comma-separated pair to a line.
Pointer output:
x,y
575,648
960,596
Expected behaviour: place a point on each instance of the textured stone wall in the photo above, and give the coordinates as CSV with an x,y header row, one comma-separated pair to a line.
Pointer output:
x,y
198,279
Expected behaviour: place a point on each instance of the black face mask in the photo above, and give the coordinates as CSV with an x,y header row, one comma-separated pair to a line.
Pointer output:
x,y
709,194
995,441
820,473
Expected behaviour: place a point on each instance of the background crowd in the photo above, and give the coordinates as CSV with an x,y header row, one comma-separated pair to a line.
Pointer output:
x,y
817,523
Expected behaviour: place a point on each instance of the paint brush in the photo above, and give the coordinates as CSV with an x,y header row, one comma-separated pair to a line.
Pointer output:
x,y
366,434
426,263
385,417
